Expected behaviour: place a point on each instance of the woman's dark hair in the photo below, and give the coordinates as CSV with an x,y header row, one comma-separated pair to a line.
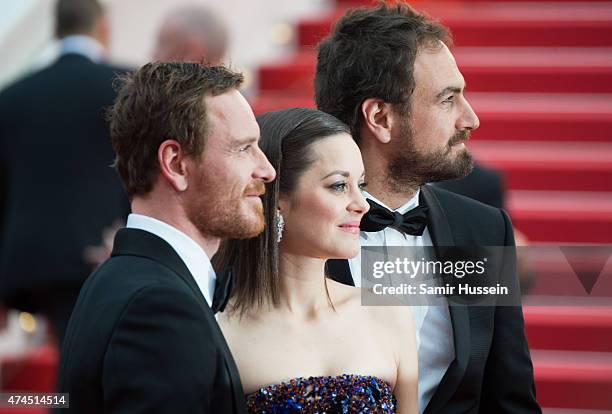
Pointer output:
x,y
286,138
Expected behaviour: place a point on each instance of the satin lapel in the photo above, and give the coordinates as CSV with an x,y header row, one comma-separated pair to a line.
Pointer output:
x,y
441,235
340,271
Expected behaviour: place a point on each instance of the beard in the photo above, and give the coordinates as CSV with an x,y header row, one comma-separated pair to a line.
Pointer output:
x,y
409,168
216,212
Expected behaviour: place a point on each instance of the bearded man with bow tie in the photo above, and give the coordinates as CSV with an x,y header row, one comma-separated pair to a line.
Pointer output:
x,y
389,74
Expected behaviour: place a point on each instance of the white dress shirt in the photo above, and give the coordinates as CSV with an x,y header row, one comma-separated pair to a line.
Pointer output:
x,y
188,250
82,45
434,331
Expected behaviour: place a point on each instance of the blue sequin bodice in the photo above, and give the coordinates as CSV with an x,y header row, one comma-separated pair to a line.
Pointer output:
x,y
329,395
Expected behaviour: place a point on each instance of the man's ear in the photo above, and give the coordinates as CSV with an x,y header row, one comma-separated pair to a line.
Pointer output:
x,y
102,30
377,118
173,164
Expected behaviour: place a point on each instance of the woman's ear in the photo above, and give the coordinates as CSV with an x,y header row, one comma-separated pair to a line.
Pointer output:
x,y
283,204
173,164
377,119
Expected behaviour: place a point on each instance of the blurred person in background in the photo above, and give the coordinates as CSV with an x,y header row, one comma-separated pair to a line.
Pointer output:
x,y
483,184
59,194
487,185
191,34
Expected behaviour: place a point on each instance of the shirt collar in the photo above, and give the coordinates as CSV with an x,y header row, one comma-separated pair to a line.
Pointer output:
x,y
82,45
189,251
407,206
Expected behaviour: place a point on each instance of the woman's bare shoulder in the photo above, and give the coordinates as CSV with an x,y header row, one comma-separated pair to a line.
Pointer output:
x,y
390,312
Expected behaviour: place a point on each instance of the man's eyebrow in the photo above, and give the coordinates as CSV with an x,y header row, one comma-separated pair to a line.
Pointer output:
x,y
244,141
449,89
339,172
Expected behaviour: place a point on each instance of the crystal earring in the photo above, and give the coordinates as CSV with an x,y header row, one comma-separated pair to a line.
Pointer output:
x,y
280,226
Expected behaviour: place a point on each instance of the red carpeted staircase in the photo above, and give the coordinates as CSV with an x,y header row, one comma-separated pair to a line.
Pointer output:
x,y
539,76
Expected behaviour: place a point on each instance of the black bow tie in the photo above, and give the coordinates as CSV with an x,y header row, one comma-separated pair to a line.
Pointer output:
x,y
223,290
412,222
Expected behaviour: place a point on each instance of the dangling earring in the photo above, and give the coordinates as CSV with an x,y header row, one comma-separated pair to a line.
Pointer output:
x,y
280,226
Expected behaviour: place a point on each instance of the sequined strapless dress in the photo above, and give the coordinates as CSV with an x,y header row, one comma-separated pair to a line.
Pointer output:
x,y
329,395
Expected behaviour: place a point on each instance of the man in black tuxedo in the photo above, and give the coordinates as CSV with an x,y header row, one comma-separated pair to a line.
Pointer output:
x,y
388,73
143,336
57,189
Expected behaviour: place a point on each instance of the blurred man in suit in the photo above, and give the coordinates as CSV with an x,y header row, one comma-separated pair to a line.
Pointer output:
x,y
488,186
483,184
58,190
191,34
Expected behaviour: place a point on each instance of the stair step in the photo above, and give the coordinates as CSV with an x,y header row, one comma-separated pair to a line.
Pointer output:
x,y
486,69
569,410
569,328
572,166
580,380
511,116
543,116
562,216
502,24
35,371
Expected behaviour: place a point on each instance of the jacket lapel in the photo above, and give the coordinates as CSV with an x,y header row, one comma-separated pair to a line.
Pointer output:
x,y
442,236
135,242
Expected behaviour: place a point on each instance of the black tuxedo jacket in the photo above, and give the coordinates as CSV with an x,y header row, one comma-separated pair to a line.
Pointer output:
x,y
57,188
492,371
142,338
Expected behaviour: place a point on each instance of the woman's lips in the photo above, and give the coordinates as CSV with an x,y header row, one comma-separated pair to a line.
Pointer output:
x,y
350,227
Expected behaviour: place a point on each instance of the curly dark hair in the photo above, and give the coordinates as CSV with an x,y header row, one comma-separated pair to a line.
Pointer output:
x,y
159,101
370,53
